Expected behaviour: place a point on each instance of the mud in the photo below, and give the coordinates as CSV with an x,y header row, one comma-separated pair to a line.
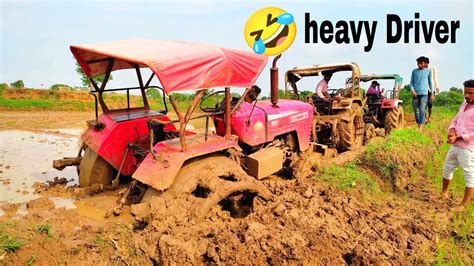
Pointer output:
x,y
303,222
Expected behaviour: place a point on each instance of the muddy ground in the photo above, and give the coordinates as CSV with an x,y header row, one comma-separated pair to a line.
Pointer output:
x,y
305,221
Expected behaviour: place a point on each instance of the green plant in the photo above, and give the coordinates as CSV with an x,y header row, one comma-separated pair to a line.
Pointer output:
x,y
31,260
44,229
10,243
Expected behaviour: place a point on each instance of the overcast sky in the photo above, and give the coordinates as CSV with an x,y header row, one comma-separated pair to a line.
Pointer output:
x,y
35,35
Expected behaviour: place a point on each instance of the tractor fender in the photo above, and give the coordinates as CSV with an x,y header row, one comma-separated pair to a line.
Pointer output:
x,y
346,104
159,172
391,103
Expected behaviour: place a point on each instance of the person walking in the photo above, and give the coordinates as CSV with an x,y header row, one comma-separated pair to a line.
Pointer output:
x,y
420,85
461,153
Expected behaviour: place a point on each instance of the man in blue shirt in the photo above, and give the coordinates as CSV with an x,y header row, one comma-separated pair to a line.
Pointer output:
x,y
420,86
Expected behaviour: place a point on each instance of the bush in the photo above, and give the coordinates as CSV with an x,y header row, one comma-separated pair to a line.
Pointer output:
x,y
452,98
57,87
17,84
3,86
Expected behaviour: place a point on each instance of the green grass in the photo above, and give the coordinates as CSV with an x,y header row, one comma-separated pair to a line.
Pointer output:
x,y
10,242
45,229
30,260
453,250
351,176
44,104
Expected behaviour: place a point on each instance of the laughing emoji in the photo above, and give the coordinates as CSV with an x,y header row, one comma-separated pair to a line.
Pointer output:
x,y
270,31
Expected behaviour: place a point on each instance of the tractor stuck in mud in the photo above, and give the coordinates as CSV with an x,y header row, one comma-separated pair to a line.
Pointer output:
x,y
338,122
163,159
222,165
384,111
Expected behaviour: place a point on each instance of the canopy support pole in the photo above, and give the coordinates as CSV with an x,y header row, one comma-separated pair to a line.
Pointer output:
x,y
142,87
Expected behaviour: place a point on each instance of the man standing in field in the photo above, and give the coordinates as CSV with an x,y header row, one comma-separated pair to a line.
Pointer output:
x,y
420,85
431,95
461,153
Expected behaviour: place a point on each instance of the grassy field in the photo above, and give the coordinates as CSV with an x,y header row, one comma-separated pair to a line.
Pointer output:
x,y
57,100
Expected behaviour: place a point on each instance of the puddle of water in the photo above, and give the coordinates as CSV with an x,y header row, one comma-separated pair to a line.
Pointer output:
x,y
88,211
63,202
26,157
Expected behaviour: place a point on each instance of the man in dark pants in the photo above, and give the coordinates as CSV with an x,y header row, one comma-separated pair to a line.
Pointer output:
x,y
420,85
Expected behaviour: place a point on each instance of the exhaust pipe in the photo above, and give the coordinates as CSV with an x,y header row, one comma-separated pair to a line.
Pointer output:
x,y
274,82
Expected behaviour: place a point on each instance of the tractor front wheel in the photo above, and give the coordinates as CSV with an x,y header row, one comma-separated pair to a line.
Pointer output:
x,y
94,170
351,132
206,182
394,119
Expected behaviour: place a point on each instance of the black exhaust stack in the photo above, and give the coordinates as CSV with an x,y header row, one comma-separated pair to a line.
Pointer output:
x,y
274,82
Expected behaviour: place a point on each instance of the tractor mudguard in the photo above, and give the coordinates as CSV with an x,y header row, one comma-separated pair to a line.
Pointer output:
x,y
390,103
346,103
160,172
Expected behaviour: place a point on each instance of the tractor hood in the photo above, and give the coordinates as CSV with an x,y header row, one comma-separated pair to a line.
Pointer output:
x,y
178,65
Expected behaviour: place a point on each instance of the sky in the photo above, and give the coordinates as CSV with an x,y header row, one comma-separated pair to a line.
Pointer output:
x,y
35,36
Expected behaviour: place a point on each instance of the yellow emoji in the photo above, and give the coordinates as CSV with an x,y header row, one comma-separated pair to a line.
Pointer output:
x,y
270,31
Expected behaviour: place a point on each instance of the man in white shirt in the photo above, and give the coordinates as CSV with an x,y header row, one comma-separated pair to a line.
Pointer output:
x,y
322,87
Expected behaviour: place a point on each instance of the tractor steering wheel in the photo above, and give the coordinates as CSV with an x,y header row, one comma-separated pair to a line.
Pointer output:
x,y
219,105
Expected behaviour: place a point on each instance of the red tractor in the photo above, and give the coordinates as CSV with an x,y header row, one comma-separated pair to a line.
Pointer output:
x,y
384,109
262,137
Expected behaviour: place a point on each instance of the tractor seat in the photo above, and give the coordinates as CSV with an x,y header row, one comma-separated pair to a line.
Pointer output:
x,y
321,105
374,99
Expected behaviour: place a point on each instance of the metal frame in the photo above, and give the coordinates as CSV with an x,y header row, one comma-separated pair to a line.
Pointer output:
x,y
396,88
142,87
183,119
316,70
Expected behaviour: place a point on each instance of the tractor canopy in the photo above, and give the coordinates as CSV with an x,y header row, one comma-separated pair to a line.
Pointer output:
x,y
393,93
317,70
178,65
366,78
294,75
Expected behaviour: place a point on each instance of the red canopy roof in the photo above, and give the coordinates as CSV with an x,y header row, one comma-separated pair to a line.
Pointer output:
x,y
178,65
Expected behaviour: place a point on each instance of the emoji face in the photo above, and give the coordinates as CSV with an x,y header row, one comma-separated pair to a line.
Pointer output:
x,y
270,31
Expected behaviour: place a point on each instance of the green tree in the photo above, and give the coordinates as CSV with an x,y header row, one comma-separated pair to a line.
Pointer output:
x,y
3,86
85,80
452,98
406,97
17,84
154,94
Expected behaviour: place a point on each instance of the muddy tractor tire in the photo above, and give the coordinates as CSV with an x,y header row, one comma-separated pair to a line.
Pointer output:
x,y
94,170
207,182
394,118
351,132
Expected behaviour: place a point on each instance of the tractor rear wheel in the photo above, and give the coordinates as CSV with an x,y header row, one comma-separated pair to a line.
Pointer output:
x,y
351,132
94,170
394,119
215,180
